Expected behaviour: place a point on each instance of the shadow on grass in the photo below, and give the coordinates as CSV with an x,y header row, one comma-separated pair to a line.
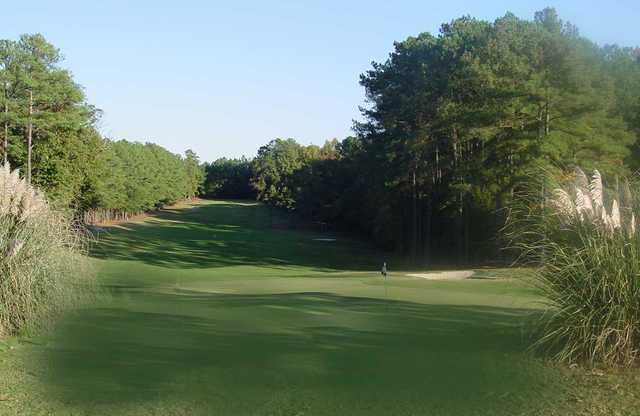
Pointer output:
x,y
309,353
328,354
227,234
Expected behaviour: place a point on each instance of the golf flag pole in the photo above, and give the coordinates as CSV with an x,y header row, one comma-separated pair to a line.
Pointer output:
x,y
384,276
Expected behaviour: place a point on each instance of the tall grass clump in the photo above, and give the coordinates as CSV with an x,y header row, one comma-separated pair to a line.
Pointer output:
x,y
584,240
42,269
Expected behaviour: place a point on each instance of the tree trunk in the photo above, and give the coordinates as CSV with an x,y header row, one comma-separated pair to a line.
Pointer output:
x,y
29,136
438,171
5,145
459,224
540,120
459,221
547,120
414,220
427,233
467,228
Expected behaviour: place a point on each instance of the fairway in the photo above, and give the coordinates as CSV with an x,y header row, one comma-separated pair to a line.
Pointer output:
x,y
219,309
237,209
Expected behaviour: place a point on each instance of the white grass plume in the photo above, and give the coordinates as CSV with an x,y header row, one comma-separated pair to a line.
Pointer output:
x,y
597,191
18,199
582,182
585,202
616,222
562,202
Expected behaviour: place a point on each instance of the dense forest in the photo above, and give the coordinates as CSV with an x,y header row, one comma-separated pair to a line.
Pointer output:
x,y
49,132
453,124
228,178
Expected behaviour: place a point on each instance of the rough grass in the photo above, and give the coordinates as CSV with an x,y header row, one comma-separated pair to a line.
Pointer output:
x,y
214,312
589,256
42,268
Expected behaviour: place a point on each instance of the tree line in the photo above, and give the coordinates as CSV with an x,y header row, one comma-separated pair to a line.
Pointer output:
x,y
228,178
133,178
453,124
49,132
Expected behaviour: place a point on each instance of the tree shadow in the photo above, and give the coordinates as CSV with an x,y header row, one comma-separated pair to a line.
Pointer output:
x,y
229,234
290,353
329,354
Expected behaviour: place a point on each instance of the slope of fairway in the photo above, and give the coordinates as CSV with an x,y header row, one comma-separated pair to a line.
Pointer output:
x,y
212,310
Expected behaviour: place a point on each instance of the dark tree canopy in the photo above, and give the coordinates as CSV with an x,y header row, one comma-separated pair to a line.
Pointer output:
x,y
454,123
228,178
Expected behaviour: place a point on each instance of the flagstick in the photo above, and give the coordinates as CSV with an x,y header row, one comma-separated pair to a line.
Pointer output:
x,y
384,276
386,298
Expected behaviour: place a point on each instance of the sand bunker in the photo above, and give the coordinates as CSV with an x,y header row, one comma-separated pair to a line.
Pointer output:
x,y
451,275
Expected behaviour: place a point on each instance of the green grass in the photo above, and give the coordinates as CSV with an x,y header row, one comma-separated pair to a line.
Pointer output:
x,y
214,312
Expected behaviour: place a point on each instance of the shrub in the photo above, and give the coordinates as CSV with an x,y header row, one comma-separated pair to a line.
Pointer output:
x,y
584,238
42,269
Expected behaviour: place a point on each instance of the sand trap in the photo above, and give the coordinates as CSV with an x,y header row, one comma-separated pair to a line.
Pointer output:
x,y
452,275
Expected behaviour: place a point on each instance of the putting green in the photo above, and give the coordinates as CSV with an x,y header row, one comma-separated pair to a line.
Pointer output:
x,y
218,309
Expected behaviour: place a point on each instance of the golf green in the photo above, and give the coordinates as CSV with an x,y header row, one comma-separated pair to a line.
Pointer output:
x,y
219,309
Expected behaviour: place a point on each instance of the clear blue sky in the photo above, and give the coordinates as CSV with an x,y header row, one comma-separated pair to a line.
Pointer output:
x,y
224,78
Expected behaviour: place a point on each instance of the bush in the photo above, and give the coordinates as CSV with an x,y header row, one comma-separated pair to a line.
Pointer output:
x,y
584,238
41,261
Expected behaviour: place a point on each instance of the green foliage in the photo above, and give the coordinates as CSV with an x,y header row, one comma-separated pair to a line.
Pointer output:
x,y
228,178
310,179
194,172
457,120
453,125
70,161
274,170
140,177
37,92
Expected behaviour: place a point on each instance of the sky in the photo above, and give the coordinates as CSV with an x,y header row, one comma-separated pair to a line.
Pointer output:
x,y
224,78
